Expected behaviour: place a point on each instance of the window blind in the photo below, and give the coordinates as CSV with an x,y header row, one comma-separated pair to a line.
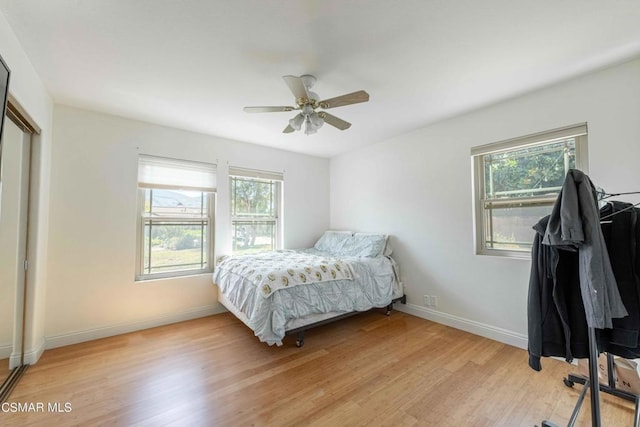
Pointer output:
x,y
163,172
251,173
533,139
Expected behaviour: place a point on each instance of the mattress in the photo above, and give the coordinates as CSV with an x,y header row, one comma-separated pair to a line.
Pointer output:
x,y
374,284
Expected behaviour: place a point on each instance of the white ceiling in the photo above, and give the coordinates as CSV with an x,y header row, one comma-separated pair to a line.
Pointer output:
x,y
193,64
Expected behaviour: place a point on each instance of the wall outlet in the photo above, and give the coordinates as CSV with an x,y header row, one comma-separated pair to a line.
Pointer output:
x,y
430,300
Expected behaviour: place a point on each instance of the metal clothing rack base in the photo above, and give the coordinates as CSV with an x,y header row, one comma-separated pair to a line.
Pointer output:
x,y
592,383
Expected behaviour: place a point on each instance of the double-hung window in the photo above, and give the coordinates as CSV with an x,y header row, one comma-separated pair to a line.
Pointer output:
x,y
175,217
256,219
516,182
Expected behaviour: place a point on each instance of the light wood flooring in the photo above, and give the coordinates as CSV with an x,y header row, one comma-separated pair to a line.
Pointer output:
x,y
368,370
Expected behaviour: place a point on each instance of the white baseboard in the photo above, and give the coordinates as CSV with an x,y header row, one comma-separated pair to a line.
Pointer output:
x,y
5,351
497,334
30,356
108,331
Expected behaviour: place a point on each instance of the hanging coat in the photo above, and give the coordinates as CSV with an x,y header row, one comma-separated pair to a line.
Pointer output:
x,y
575,224
556,318
622,236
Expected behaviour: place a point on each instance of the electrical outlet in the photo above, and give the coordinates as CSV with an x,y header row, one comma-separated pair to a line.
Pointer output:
x,y
427,300
434,301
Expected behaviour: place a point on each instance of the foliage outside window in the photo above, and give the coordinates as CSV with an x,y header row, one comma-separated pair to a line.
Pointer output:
x,y
176,217
255,205
517,183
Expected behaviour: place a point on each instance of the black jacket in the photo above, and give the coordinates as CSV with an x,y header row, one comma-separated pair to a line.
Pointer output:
x,y
575,223
622,236
556,316
557,324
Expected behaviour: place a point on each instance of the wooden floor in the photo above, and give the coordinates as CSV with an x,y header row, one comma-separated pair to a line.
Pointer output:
x,y
366,370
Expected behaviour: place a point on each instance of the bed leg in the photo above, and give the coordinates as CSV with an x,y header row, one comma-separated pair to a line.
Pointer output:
x,y
300,340
389,308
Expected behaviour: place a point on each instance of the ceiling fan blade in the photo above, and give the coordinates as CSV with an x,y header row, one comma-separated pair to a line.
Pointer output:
x,y
296,86
288,129
267,109
348,99
334,121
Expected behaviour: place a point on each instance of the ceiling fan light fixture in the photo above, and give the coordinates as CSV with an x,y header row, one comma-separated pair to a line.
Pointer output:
x,y
307,102
316,120
309,128
297,121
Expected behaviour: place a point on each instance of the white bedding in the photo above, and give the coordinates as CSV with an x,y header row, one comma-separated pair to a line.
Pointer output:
x,y
373,284
280,269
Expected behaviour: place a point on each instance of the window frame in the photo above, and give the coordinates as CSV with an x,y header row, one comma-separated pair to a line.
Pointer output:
x,y
209,247
578,132
261,176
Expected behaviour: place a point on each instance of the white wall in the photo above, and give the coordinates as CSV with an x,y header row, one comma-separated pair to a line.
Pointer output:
x,y
418,188
28,90
91,289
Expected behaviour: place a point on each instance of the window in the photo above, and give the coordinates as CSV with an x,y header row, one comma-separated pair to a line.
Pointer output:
x,y
255,210
517,182
175,211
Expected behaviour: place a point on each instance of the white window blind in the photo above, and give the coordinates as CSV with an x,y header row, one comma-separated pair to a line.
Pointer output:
x,y
533,139
251,173
163,172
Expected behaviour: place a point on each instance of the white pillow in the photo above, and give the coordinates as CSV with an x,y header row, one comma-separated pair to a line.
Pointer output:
x,y
387,250
332,241
364,245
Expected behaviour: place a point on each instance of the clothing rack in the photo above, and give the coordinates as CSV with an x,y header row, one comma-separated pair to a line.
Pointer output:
x,y
609,388
602,195
595,388
592,382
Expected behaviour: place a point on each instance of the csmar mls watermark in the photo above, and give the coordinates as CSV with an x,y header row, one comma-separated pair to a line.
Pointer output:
x,y
44,407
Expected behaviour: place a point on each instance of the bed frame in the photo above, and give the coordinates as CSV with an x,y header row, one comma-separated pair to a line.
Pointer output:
x,y
302,329
325,318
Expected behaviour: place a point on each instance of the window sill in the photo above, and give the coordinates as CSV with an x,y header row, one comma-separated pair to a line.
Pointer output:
x,y
155,278
505,254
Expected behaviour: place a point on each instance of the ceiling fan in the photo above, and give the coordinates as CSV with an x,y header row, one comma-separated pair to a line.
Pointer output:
x,y
308,102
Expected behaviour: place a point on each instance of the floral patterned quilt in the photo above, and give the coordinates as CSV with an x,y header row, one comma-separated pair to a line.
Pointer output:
x,y
273,270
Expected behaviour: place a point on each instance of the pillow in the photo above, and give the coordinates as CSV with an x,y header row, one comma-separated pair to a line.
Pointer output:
x,y
388,250
331,241
364,245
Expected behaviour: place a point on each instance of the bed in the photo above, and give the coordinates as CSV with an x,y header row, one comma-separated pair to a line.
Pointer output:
x,y
286,292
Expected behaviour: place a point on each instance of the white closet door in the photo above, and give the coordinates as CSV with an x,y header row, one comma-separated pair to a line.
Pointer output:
x,y
14,187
